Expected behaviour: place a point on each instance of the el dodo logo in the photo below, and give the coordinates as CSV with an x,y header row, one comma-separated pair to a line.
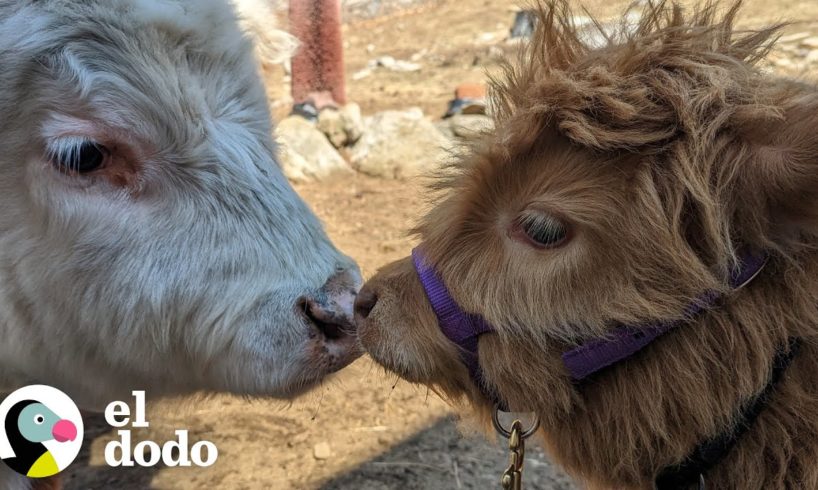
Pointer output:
x,y
40,431
148,453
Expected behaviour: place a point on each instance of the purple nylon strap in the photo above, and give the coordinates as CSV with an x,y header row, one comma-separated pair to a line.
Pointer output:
x,y
464,329
626,340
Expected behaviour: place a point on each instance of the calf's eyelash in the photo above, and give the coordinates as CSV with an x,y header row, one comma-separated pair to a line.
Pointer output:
x,y
67,147
75,154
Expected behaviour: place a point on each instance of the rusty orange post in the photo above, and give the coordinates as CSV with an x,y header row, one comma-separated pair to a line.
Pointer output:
x,y
318,66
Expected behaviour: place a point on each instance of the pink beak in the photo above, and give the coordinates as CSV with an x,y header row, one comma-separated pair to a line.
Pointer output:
x,y
64,431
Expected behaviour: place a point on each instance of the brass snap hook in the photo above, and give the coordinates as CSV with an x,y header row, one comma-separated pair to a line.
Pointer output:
x,y
512,478
498,426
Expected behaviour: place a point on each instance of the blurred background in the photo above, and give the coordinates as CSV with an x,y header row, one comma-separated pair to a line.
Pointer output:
x,y
405,63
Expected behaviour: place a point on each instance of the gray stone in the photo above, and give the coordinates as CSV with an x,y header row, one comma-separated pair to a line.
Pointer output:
x,y
306,154
353,122
361,74
392,64
469,127
445,128
342,127
398,144
419,55
330,123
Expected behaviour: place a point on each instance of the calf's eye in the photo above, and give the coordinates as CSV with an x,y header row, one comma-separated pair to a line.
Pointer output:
x,y
541,230
78,156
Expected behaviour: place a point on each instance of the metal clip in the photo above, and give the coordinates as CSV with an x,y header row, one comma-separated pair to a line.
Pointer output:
x,y
512,478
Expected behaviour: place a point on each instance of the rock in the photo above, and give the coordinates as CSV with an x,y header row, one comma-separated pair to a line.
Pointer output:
x,y
419,55
809,43
322,451
470,127
790,38
391,63
486,38
401,65
788,47
812,57
353,122
342,127
306,154
361,74
398,144
445,128
330,123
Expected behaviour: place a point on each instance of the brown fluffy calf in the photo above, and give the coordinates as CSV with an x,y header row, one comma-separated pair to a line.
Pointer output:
x,y
658,157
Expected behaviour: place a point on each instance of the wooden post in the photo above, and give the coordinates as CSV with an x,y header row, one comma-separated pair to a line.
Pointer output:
x,y
318,66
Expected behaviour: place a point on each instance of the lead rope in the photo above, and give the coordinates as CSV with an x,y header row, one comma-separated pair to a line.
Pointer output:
x,y
512,478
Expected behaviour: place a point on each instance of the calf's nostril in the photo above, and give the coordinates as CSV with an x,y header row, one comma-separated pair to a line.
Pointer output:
x,y
365,303
332,324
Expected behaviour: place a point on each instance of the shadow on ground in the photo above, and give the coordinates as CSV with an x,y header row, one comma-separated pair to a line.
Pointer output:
x,y
99,477
441,458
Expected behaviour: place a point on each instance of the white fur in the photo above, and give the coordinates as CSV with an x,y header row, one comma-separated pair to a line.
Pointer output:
x,y
188,279
274,45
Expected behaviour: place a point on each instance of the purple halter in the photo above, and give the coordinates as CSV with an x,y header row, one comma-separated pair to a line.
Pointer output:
x,y
464,329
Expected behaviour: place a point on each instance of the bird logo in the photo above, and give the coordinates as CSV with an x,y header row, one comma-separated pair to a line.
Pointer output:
x,y
42,429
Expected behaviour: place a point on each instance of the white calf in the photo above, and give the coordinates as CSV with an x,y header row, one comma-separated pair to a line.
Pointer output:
x,y
148,239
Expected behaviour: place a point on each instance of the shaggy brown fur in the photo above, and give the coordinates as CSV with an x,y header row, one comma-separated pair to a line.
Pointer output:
x,y
664,152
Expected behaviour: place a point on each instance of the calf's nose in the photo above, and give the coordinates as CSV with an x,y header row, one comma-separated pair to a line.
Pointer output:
x,y
330,310
365,303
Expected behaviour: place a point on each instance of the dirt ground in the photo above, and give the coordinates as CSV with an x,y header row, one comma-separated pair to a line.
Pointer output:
x,y
382,434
